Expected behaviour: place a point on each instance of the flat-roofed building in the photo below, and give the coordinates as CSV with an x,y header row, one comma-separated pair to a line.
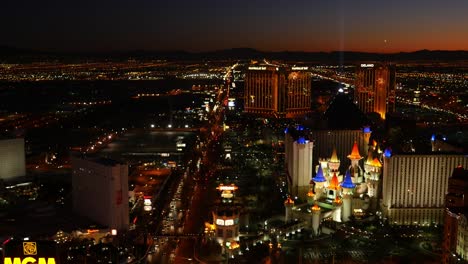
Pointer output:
x,y
414,186
100,191
12,158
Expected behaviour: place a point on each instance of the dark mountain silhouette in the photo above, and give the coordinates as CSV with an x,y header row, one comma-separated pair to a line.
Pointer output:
x,y
335,57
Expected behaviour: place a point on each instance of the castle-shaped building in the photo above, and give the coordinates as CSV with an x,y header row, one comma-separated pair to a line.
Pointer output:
x,y
336,197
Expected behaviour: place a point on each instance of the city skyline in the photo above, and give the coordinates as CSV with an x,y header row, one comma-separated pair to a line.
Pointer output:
x,y
178,131
367,26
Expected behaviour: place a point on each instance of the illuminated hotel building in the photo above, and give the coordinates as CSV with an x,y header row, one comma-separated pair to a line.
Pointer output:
x,y
226,220
455,242
298,159
12,158
414,186
100,191
375,88
276,91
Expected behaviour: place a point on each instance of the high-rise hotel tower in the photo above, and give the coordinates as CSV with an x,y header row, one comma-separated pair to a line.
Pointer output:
x,y
277,91
414,186
375,86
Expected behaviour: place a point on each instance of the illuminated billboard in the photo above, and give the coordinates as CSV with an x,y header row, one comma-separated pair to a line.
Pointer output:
x,y
257,68
27,252
303,68
223,187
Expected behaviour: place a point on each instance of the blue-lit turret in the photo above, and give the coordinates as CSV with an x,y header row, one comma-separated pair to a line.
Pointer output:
x,y
301,140
319,177
347,181
388,153
347,192
366,129
320,181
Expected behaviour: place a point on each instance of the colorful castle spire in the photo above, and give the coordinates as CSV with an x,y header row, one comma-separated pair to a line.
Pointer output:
x,y
355,152
334,184
347,181
334,157
376,163
319,177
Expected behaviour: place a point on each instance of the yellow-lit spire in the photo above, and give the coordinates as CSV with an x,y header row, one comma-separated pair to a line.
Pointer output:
x,y
334,157
375,162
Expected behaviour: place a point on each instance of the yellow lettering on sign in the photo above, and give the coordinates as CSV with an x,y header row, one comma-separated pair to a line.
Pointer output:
x,y
29,260
43,261
15,261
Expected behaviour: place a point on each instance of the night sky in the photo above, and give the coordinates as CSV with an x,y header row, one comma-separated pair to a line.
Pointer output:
x,y
204,25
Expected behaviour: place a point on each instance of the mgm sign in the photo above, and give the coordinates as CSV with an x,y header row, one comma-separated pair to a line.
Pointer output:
x,y
27,252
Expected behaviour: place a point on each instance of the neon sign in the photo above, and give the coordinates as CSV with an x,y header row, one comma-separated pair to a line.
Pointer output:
x,y
257,68
29,260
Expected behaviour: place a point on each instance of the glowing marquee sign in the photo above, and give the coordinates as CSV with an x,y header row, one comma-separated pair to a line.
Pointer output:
x,y
29,252
370,65
299,68
231,187
257,68
29,260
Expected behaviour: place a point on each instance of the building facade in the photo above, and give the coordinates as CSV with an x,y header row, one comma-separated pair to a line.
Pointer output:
x,y
375,86
455,245
414,187
100,191
277,91
298,158
12,158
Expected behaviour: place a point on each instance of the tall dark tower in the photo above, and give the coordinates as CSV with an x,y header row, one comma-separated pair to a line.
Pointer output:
x,y
375,86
